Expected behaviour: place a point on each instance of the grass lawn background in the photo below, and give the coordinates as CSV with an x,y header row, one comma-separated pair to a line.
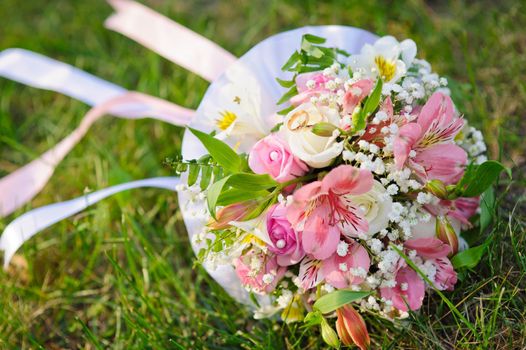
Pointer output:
x,y
120,276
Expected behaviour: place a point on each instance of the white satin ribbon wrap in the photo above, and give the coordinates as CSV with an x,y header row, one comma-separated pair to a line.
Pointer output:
x,y
27,225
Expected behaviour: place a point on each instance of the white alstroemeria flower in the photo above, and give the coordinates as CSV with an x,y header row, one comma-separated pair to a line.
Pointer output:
x,y
265,311
316,151
236,112
375,206
255,228
386,58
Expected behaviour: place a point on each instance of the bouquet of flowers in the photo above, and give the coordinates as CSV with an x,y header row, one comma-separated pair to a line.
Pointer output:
x,y
354,200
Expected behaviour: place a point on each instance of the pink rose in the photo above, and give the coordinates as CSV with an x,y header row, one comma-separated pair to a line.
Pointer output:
x,y
260,279
286,241
272,156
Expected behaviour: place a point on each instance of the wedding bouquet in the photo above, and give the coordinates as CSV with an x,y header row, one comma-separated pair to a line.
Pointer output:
x,y
346,196
352,200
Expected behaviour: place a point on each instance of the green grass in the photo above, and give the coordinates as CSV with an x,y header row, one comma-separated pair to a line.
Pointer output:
x,y
120,275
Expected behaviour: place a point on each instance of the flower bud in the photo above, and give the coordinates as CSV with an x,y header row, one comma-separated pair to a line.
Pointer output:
x,y
351,327
232,212
329,335
323,129
437,188
446,233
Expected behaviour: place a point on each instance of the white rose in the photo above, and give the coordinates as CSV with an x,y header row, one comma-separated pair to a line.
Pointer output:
x,y
375,206
316,151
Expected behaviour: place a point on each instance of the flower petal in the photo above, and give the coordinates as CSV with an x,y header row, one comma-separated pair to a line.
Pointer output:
x,y
310,275
346,179
428,247
407,136
444,162
437,107
320,239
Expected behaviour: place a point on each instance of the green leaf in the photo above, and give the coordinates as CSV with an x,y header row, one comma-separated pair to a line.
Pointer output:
x,y
487,208
235,195
469,258
240,181
287,96
213,195
370,105
206,176
261,207
332,301
220,151
286,83
251,182
293,59
193,173
314,39
482,178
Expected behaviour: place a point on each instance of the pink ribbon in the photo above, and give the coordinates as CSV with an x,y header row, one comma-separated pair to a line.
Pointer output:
x,y
169,39
22,185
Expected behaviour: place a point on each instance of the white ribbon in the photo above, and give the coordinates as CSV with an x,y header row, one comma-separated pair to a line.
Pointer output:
x,y
36,70
27,225
43,72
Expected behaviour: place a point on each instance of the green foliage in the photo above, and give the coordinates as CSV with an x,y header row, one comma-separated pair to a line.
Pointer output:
x,y
469,258
250,183
478,178
334,300
311,57
370,105
220,151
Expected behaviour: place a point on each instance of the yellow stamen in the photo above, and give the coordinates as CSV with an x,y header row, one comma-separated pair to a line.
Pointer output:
x,y
250,238
227,118
386,68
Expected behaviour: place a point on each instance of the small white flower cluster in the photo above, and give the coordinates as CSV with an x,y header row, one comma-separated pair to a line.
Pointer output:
x,y
369,156
473,143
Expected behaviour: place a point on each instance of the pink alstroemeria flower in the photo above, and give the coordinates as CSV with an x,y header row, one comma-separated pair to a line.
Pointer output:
x,y
409,290
305,93
254,279
428,248
337,270
323,212
445,276
463,209
431,138
355,94
435,251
